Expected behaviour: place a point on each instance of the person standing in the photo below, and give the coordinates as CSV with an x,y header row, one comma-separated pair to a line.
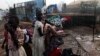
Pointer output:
x,y
5,42
37,39
15,37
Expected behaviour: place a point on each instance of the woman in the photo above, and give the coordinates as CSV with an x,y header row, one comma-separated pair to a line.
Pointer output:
x,y
49,31
51,35
5,42
38,40
15,37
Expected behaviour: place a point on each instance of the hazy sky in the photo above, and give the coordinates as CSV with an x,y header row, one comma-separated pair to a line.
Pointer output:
x,y
8,3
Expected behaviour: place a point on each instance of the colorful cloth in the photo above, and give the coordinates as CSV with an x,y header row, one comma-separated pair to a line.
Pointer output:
x,y
55,20
55,52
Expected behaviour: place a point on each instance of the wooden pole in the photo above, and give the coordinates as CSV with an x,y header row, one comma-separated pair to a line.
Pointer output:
x,y
94,23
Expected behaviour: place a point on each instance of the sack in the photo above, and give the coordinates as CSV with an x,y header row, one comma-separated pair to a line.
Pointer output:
x,y
68,52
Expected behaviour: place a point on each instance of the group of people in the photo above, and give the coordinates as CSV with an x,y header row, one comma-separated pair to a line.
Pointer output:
x,y
19,41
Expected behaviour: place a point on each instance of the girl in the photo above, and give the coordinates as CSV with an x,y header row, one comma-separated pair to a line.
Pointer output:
x,y
37,39
15,37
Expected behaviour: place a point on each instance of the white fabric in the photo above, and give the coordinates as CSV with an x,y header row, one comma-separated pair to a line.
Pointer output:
x,y
27,39
22,51
19,52
38,42
24,31
27,36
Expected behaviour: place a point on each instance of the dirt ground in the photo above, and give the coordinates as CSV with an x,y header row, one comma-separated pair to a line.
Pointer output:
x,y
85,33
